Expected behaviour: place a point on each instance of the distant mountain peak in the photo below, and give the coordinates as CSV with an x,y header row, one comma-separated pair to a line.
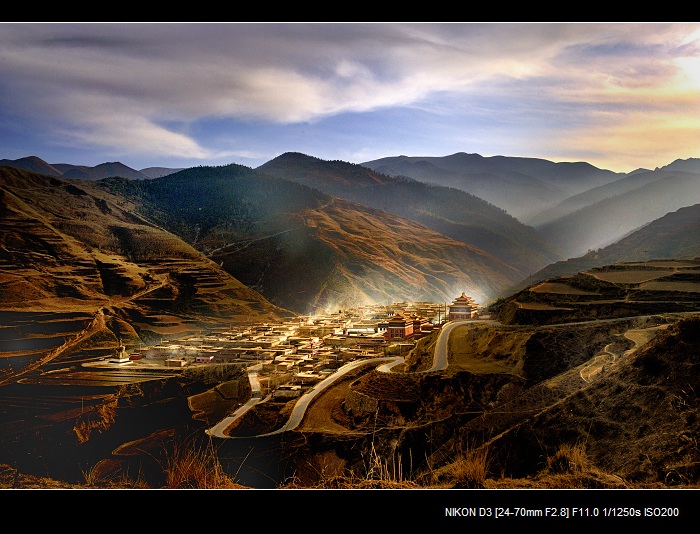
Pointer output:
x,y
33,164
295,156
682,165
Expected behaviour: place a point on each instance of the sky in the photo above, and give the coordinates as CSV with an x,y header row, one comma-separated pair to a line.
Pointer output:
x,y
620,96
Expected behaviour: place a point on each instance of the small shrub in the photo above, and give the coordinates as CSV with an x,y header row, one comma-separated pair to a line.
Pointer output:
x,y
569,459
470,469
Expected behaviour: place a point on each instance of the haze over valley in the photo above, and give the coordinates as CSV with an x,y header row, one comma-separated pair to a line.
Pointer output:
x,y
131,260
312,235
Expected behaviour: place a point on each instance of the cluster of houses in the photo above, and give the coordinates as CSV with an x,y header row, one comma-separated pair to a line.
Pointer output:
x,y
309,348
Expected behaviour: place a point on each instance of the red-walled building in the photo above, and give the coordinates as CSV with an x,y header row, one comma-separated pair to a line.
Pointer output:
x,y
399,327
463,307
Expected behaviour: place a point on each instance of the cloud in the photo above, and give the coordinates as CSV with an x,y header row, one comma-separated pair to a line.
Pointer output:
x,y
132,133
146,87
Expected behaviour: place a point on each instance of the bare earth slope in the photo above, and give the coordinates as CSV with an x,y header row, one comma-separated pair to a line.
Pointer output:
x,y
68,255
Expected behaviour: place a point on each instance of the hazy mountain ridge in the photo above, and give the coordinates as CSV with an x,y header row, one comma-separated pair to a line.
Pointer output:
x,y
574,203
32,164
103,170
675,235
521,186
306,250
454,213
683,165
450,211
610,219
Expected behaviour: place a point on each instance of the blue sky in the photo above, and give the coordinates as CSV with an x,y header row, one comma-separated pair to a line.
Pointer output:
x,y
617,95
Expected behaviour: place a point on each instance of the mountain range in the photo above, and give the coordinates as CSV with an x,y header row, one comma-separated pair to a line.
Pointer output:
x,y
452,212
83,172
574,207
305,234
522,186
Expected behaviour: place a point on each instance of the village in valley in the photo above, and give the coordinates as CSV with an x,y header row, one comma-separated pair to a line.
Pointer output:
x,y
298,353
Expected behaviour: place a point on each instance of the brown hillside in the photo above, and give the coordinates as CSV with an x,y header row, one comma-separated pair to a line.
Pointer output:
x,y
342,254
67,254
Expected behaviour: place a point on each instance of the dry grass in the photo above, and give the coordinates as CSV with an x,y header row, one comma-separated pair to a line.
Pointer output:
x,y
471,469
196,467
96,478
186,466
468,468
568,467
190,466
390,470
570,459
376,473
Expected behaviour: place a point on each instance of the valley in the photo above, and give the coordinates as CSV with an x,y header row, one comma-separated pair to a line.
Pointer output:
x,y
134,309
509,379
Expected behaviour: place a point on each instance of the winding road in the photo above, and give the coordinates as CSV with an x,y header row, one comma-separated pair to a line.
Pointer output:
x,y
440,362
386,363
300,406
